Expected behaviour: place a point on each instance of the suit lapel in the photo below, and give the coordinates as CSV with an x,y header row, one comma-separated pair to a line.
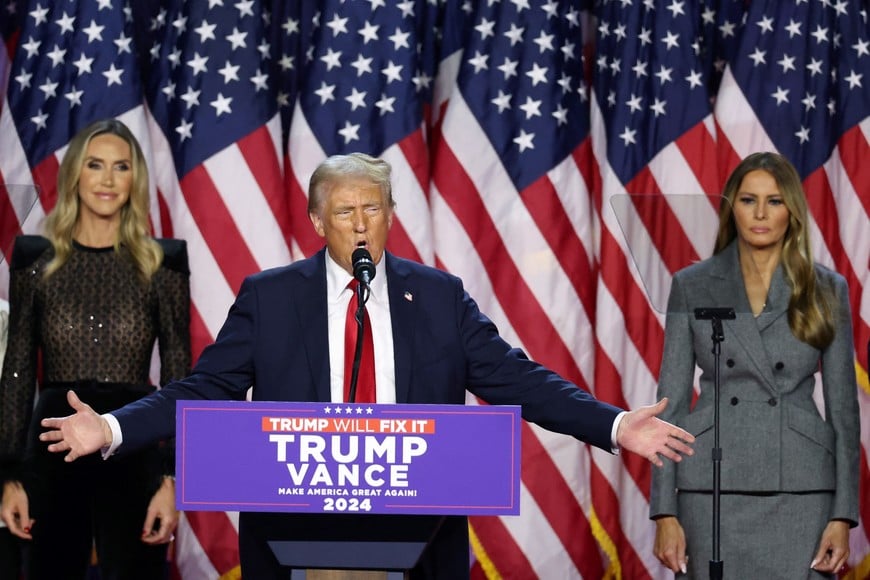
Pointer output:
x,y
777,300
311,309
727,289
403,313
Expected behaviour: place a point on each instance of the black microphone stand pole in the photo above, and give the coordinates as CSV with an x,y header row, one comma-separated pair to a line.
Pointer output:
x,y
361,297
715,316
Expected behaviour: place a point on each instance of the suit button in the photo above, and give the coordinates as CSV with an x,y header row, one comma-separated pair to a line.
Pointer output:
x,y
772,402
779,366
730,363
734,400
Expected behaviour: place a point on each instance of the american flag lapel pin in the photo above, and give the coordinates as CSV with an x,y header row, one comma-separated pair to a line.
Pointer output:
x,y
408,296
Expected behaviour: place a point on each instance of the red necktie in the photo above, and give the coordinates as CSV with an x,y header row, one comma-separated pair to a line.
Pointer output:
x,y
365,385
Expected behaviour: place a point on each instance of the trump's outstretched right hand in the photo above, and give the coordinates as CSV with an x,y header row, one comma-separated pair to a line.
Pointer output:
x,y
80,434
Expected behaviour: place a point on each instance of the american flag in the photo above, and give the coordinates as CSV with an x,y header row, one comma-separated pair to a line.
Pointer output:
x,y
16,201
367,80
9,29
531,141
211,93
655,149
512,216
211,89
72,64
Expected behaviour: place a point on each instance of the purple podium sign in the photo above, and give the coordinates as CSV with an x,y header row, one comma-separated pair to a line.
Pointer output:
x,y
343,458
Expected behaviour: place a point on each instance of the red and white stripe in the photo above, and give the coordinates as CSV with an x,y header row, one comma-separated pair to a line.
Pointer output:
x,y
232,212
526,256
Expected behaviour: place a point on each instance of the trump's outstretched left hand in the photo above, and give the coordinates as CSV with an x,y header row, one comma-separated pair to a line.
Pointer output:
x,y
642,432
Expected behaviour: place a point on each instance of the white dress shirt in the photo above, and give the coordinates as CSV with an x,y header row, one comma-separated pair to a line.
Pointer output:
x,y
338,296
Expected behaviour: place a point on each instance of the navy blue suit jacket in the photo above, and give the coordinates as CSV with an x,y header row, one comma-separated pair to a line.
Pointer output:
x,y
275,339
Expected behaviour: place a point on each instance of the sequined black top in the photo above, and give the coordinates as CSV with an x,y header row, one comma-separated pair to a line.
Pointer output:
x,y
92,320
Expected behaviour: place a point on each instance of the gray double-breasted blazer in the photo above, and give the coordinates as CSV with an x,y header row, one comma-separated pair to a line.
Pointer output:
x,y
772,435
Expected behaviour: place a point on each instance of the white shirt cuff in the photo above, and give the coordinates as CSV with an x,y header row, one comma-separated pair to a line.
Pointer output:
x,y
117,438
614,430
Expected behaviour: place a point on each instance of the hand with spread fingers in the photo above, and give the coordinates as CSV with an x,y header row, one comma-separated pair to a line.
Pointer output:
x,y
642,432
80,434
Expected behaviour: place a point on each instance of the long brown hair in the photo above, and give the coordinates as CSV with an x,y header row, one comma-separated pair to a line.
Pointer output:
x,y
810,306
134,234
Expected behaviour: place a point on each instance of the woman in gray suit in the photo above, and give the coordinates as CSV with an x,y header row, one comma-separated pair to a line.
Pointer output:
x,y
789,471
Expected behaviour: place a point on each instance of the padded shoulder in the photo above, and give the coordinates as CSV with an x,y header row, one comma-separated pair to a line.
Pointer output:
x,y
27,250
174,254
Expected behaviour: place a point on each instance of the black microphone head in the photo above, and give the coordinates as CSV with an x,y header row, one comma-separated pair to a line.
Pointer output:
x,y
363,265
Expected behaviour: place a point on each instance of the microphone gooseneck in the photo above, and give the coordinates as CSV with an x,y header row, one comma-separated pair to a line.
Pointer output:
x,y
363,271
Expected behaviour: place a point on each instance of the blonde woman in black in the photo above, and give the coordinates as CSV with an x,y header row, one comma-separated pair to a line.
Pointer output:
x,y
88,302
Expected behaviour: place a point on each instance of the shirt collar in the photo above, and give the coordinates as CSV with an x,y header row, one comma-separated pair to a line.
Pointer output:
x,y
337,280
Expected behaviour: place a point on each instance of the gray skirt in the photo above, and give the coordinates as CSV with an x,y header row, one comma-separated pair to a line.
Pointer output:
x,y
766,536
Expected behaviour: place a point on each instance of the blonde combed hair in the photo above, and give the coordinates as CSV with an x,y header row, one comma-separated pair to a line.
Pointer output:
x,y
134,233
810,307
352,165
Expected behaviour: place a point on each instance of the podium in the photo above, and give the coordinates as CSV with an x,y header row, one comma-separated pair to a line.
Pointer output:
x,y
342,547
367,488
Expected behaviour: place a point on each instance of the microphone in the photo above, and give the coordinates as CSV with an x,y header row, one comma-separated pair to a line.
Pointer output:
x,y
363,266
